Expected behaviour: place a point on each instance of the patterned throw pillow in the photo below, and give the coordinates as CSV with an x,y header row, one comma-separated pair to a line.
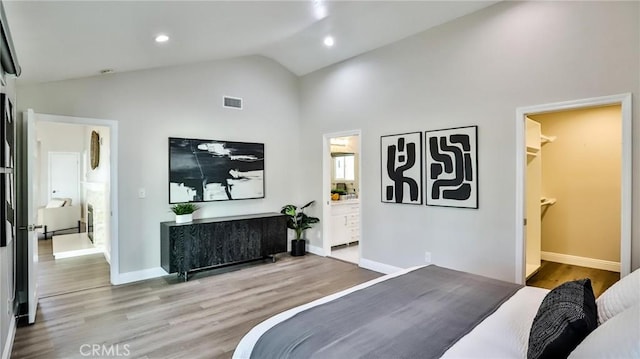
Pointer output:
x,y
566,316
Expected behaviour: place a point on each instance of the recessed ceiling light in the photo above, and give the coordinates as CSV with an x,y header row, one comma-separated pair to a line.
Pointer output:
x,y
162,38
319,9
328,41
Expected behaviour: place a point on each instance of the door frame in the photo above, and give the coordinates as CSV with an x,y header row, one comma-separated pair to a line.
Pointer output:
x,y
326,185
114,260
49,167
624,100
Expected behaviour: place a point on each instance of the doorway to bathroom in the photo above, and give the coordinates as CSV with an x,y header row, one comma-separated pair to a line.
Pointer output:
x,y
341,205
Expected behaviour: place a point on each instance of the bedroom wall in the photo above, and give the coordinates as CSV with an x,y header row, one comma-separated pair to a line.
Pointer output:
x,y
581,169
182,101
475,70
55,137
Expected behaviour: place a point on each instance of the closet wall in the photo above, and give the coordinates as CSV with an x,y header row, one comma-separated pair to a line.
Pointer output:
x,y
581,169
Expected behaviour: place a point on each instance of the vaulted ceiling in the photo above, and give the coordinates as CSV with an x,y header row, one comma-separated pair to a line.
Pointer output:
x,y
58,40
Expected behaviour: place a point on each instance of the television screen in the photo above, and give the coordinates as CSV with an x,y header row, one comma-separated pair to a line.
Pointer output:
x,y
213,170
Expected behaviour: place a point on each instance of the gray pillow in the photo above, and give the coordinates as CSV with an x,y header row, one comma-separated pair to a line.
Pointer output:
x,y
566,316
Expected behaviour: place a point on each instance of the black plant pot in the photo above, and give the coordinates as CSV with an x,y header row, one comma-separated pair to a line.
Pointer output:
x,y
298,247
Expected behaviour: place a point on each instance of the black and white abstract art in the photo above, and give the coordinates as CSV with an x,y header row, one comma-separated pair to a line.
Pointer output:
x,y
452,167
212,170
6,132
7,191
7,211
402,168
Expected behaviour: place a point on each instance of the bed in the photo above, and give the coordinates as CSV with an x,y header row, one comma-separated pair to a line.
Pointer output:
x,y
433,312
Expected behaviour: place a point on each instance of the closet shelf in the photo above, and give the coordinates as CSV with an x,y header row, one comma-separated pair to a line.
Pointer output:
x,y
532,151
546,139
547,201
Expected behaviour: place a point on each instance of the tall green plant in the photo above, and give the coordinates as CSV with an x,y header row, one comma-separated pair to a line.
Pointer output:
x,y
298,220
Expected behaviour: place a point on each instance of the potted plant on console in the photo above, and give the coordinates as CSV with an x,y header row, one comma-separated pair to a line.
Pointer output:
x,y
299,222
184,212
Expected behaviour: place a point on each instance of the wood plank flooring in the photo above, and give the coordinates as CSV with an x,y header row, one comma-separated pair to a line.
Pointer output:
x,y
57,276
553,274
164,318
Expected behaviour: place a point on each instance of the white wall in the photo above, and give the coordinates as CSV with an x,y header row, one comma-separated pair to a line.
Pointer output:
x,y
55,137
183,101
96,186
475,70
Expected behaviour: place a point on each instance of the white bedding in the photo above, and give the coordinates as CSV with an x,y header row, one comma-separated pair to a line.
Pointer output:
x,y
504,334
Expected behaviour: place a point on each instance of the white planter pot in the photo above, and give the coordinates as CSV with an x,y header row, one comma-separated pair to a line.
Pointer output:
x,y
184,218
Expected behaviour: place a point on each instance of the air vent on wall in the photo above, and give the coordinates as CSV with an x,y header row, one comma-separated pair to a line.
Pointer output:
x,y
232,102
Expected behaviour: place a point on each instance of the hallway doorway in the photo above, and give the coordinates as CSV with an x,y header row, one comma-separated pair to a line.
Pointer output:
x,y
43,274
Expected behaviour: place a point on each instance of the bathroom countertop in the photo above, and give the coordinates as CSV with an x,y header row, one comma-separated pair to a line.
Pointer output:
x,y
345,201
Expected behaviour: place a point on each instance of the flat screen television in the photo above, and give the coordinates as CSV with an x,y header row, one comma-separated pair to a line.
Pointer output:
x,y
214,170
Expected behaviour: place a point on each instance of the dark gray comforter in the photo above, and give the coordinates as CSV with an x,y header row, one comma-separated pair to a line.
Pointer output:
x,y
416,315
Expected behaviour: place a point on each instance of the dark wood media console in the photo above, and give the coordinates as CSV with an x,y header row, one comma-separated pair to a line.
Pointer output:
x,y
216,242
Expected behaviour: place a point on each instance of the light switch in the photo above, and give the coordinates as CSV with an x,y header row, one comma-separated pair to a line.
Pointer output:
x,y
142,193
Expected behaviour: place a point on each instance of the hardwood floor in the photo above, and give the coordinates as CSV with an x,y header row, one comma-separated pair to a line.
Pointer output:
x,y
164,318
553,274
57,276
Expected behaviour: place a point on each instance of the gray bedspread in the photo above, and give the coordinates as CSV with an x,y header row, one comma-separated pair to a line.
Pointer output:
x,y
416,315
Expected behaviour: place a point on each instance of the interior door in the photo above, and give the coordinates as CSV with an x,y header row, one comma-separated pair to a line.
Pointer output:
x,y
64,178
32,213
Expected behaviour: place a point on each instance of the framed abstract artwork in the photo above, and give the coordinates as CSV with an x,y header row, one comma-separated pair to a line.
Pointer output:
x,y
401,168
7,211
4,228
213,170
7,132
452,167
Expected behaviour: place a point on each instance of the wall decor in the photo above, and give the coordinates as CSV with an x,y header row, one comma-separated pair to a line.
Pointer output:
x,y
6,132
7,211
213,170
452,167
7,153
95,150
3,210
401,168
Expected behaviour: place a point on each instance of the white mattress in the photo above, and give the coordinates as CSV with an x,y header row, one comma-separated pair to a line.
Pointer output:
x,y
504,334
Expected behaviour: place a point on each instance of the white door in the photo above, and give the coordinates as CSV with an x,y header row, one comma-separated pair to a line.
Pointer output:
x,y
64,175
31,200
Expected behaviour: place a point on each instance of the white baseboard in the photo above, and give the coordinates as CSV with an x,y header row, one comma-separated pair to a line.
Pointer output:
x,y
139,275
581,261
8,345
377,266
107,256
315,250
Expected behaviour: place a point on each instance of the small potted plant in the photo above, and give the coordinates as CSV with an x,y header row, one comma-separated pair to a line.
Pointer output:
x,y
184,212
299,222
